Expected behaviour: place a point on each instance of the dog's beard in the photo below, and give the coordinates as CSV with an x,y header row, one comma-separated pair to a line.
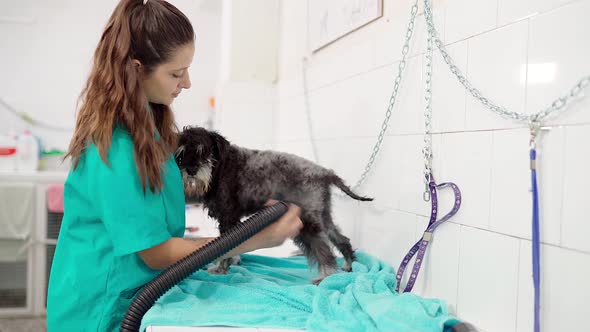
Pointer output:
x,y
197,185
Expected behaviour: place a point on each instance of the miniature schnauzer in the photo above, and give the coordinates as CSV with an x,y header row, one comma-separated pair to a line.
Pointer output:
x,y
233,182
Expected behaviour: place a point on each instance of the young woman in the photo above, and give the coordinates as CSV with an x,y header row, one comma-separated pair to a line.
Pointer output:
x,y
124,199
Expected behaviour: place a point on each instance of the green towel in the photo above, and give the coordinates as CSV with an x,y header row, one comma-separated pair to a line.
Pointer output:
x,y
277,293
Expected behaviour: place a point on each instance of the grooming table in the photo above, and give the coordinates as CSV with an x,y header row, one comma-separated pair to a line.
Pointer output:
x,y
212,329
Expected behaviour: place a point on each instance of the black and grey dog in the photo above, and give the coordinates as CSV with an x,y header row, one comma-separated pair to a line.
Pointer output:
x,y
233,182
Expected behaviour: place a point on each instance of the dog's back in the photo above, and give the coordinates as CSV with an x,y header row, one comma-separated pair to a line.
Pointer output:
x,y
288,177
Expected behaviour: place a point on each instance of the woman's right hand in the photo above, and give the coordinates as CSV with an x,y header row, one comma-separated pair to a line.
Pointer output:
x,y
288,226
275,234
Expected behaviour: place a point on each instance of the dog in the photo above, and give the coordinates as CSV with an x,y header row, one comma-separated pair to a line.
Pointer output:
x,y
233,182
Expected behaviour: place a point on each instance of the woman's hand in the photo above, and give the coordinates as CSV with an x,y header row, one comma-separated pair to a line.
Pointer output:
x,y
275,234
288,226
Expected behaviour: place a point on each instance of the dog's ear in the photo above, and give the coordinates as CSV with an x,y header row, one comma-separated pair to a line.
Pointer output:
x,y
179,151
220,143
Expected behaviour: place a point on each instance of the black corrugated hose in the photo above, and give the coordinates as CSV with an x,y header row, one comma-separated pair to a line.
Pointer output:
x,y
152,291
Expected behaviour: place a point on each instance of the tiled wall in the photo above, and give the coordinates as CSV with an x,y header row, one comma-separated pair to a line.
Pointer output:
x,y
522,55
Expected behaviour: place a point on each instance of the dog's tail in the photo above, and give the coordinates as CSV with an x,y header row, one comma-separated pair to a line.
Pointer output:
x,y
338,182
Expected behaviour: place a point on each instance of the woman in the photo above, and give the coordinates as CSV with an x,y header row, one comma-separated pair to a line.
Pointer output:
x,y
124,199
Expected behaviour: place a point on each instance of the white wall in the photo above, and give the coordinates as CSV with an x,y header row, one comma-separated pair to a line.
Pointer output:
x,y
46,52
247,87
480,262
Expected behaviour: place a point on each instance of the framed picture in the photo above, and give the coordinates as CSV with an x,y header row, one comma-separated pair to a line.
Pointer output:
x,y
330,20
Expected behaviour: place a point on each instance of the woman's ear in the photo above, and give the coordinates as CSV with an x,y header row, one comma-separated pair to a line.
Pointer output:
x,y
137,65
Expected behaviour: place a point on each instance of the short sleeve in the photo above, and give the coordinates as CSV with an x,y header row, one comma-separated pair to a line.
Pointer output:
x,y
134,220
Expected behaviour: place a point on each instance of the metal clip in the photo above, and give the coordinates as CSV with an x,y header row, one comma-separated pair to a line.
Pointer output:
x,y
534,126
426,194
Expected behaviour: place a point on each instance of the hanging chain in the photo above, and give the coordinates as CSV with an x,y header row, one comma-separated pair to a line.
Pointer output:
x,y
556,106
427,149
398,79
392,99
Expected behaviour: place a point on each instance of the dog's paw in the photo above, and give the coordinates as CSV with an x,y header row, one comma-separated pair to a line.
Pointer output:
x,y
218,269
346,267
236,260
317,281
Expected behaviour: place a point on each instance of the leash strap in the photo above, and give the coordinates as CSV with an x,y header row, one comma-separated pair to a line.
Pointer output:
x,y
422,244
536,240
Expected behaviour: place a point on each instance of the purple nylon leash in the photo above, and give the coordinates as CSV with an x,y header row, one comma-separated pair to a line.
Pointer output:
x,y
422,244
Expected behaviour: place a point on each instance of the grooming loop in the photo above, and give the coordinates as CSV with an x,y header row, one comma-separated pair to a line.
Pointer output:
x,y
422,244
430,193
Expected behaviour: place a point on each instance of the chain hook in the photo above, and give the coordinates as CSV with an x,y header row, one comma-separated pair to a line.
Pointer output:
x,y
534,127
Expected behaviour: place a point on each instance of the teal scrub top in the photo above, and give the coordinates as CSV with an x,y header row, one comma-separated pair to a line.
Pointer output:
x,y
108,219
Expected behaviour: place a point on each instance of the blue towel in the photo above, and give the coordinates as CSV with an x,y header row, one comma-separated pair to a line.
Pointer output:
x,y
277,293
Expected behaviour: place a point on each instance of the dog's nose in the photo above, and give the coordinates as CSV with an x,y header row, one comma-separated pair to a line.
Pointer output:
x,y
191,171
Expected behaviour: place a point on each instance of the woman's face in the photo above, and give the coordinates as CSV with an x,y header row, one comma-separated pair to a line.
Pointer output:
x,y
168,79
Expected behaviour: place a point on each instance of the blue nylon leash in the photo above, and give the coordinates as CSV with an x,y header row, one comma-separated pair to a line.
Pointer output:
x,y
535,229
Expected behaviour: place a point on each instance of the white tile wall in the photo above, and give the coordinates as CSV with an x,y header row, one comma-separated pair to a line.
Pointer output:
x,y
560,59
448,95
496,66
488,279
575,226
511,11
510,210
368,94
466,18
407,117
522,55
382,183
564,295
387,235
550,177
438,275
465,160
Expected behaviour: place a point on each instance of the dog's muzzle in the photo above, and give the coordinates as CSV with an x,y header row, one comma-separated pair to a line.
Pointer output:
x,y
197,183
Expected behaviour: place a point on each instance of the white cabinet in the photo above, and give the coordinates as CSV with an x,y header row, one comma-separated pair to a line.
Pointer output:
x,y
23,280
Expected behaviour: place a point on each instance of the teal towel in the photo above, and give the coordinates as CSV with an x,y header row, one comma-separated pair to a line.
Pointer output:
x,y
277,293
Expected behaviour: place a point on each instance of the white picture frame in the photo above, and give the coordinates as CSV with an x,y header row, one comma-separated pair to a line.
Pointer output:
x,y
330,20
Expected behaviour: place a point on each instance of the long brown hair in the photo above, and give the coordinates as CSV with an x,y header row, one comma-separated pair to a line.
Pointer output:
x,y
112,95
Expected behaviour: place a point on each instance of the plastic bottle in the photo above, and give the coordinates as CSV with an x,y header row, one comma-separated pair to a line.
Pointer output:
x,y
27,152
8,153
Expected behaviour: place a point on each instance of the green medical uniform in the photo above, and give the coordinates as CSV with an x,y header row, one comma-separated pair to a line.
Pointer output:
x,y
108,219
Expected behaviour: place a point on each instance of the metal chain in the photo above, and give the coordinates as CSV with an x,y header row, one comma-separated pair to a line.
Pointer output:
x,y
392,99
427,149
401,67
556,106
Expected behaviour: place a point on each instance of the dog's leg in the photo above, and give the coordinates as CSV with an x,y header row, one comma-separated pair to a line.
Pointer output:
x,y
222,267
340,241
316,246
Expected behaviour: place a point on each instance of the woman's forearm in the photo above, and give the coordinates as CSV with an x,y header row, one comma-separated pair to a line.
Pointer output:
x,y
175,249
